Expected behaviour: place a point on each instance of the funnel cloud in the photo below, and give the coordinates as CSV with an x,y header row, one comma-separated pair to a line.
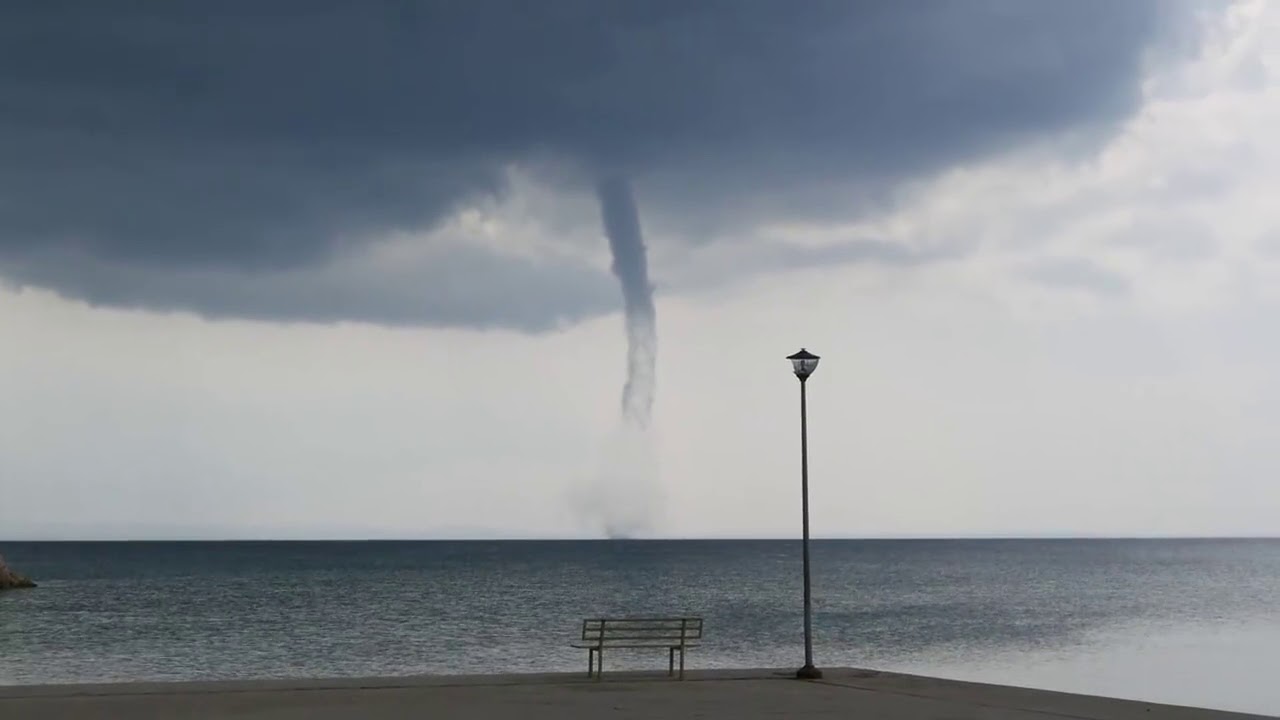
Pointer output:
x,y
630,265
626,496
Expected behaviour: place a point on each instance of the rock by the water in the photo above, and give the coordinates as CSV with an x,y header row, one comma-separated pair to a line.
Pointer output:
x,y
10,580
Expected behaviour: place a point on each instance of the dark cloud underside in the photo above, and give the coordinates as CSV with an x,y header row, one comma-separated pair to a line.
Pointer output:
x,y
263,137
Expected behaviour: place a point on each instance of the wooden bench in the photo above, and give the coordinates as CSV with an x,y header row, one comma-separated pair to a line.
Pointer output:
x,y
674,634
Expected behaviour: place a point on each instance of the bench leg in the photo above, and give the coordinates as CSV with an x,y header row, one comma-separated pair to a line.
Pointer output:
x,y
591,662
681,662
599,664
671,662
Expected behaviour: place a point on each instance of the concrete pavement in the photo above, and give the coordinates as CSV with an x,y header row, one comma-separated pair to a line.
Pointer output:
x,y
741,695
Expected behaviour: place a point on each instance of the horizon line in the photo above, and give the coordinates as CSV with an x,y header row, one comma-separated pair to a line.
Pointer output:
x,y
726,538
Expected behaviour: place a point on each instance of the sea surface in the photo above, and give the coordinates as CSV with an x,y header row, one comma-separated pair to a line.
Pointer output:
x,y
1193,622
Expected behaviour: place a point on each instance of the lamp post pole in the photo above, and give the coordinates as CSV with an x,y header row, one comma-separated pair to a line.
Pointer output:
x,y
804,363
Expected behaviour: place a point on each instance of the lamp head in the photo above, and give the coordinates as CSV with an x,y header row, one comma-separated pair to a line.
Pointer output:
x,y
803,363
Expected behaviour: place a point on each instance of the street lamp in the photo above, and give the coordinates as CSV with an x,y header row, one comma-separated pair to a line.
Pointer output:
x,y
804,363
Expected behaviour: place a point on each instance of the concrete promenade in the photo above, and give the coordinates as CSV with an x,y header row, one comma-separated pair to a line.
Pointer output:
x,y
739,695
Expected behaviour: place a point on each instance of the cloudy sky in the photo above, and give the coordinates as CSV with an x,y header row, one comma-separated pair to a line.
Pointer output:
x,y
337,269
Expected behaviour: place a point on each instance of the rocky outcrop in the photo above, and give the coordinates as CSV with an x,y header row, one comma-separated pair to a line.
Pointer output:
x,y
10,580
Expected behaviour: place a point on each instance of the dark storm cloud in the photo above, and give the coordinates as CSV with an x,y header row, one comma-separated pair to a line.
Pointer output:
x,y
441,290
260,138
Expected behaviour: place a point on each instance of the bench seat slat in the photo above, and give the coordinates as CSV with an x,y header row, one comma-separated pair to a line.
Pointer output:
x,y
589,646
648,628
615,631
611,630
637,626
654,636
638,638
639,618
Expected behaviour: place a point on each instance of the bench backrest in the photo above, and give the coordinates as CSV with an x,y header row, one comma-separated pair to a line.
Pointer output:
x,y
656,631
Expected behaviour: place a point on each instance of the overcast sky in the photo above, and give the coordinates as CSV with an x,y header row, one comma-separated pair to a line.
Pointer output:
x,y
337,269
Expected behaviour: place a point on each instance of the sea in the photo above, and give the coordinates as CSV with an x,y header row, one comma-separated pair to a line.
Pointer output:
x,y
1191,622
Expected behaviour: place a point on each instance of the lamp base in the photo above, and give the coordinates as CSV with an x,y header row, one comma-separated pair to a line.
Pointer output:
x,y
809,672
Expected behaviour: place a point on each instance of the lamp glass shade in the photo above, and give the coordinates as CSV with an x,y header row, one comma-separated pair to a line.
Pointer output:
x,y
803,363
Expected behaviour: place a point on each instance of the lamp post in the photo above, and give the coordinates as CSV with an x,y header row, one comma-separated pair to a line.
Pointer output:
x,y
804,363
